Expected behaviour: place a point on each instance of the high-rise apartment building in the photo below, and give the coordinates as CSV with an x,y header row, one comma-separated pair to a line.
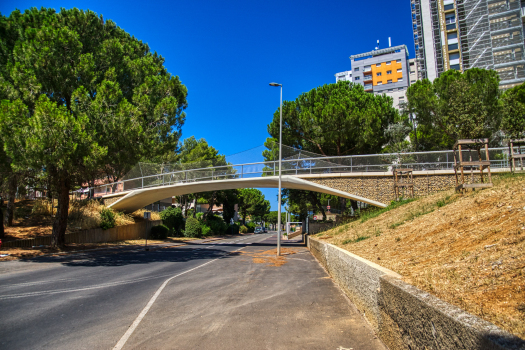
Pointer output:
x,y
343,76
384,71
462,34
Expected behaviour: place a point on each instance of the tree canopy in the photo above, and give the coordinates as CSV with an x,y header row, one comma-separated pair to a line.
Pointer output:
x,y
455,106
513,112
252,203
82,98
335,119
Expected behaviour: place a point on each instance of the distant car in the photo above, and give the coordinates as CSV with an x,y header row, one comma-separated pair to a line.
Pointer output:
x,y
258,230
265,230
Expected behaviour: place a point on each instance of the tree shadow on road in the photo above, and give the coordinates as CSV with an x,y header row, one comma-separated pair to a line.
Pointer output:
x,y
138,256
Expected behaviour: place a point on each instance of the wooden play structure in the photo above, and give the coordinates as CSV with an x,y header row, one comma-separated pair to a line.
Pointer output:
x,y
519,157
403,182
475,166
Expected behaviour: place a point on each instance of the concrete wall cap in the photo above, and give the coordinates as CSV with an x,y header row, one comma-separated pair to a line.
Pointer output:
x,y
365,261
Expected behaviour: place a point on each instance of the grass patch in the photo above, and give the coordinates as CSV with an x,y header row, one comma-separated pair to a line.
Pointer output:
x,y
358,239
370,214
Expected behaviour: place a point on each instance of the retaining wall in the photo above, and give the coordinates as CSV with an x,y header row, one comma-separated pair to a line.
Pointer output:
x,y
98,235
380,186
404,316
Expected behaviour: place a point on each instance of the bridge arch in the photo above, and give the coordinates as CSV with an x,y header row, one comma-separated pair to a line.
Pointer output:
x,y
140,198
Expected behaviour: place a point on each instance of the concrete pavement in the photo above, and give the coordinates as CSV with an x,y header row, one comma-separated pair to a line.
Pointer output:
x,y
227,294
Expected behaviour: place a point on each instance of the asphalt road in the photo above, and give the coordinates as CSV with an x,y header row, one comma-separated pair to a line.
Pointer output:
x,y
226,294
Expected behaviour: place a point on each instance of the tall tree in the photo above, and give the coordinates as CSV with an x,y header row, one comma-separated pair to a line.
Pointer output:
x,y
335,120
252,203
84,95
513,112
332,120
456,105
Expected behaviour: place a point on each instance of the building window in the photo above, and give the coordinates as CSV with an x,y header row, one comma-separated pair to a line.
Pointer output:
x,y
379,83
399,80
399,70
357,78
390,90
412,81
454,58
454,66
388,72
452,47
356,69
401,99
367,68
389,81
398,61
378,74
449,7
450,21
388,63
378,65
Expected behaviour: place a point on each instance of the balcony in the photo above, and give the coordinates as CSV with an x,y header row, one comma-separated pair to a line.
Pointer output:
x,y
369,87
451,26
367,77
367,69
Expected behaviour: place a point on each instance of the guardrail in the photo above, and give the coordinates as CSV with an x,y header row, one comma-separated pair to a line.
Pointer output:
x,y
435,160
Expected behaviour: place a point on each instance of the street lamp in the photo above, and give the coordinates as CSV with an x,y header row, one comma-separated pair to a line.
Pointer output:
x,y
280,152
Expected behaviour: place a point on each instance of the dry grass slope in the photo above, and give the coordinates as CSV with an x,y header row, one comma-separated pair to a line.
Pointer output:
x,y
466,249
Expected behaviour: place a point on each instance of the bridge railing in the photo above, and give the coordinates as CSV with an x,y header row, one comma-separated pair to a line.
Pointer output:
x,y
419,161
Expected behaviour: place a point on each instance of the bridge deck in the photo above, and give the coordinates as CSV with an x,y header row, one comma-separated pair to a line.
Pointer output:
x,y
139,198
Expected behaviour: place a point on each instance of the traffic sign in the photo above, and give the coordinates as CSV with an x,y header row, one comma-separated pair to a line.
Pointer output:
x,y
315,217
328,207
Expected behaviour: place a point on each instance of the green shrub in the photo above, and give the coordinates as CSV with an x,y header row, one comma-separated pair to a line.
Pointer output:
x,y
107,219
206,230
217,227
199,216
233,229
251,227
159,232
193,228
173,219
243,229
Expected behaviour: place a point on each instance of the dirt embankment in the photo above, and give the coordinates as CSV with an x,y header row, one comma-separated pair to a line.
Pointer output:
x,y
466,249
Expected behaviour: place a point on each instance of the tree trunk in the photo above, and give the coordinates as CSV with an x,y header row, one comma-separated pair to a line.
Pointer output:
x,y
342,205
354,205
2,232
11,193
317,203
58,238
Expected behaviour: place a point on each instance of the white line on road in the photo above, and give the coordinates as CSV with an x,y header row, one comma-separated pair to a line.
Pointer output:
x,y
139,318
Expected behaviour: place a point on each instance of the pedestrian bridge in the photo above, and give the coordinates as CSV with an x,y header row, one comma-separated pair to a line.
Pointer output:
x,y
139,198
364,178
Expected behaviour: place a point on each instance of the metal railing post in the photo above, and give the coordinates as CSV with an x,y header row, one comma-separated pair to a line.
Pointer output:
x,y
242,171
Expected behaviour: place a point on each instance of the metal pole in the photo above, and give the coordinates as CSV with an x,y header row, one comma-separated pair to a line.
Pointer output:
x,y
280,160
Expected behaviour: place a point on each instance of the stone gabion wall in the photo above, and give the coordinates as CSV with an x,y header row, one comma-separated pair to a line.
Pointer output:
x,y
381,188
111,200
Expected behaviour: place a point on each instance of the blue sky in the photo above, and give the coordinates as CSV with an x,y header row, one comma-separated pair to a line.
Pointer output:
x,y
226,53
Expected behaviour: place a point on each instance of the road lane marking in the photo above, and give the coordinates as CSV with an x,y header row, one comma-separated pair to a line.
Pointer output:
x,y
143,313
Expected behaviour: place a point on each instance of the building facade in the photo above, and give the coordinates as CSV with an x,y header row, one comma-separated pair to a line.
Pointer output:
x,y
463,34
384,71
343,76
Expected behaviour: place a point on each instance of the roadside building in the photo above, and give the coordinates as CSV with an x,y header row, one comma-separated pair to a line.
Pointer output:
x,y
384,71
343,76
462,34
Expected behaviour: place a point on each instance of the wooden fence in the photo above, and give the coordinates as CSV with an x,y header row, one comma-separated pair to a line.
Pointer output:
x,y
97,235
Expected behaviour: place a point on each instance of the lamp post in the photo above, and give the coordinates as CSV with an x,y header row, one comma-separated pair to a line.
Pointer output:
x,y
280,153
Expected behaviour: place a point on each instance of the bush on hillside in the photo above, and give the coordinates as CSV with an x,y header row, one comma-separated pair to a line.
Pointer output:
x,y
159,232
216,224
205,230
173,219
193,228
107,219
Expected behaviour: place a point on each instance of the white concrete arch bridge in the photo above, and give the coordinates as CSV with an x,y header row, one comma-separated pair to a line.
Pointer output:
x,y
364,178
